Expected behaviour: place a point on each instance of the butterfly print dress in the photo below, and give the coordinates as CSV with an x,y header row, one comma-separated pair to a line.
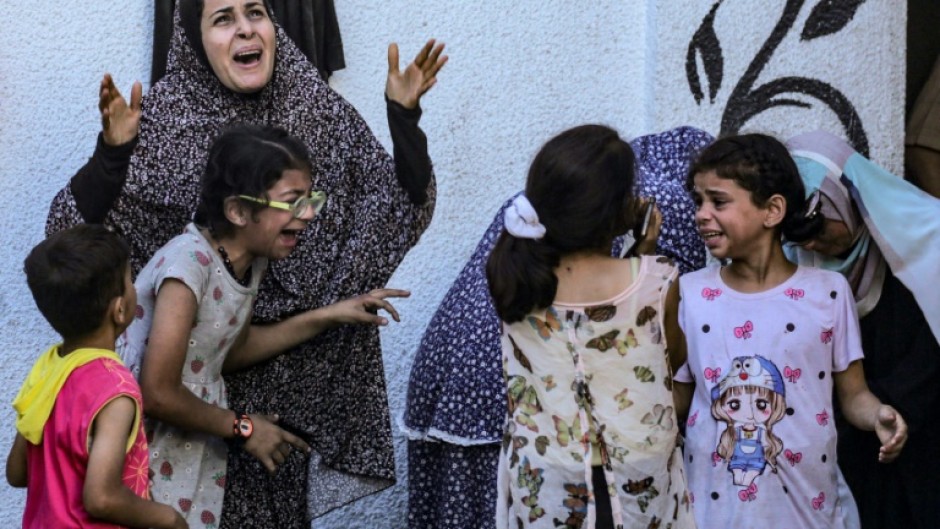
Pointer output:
x,y
760,446
592,375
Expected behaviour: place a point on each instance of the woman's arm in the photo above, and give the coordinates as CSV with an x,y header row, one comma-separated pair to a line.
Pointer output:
x,y
99,182
16,463
403,91
168,400
262,342
864,411
104,495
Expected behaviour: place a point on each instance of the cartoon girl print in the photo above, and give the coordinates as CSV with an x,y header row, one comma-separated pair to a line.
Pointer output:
x,y
750,399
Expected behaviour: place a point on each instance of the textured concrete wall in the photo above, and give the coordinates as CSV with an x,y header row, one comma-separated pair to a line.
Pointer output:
x,y
519,72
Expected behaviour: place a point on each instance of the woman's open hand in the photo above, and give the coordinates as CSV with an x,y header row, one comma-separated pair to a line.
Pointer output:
x,y
406,87
119,121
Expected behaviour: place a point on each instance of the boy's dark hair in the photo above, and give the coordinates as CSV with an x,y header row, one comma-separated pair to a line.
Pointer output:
x,y
763,166
74,275
245,160
581,186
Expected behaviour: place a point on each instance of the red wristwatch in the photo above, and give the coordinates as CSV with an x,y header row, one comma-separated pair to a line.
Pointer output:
x,y
242,427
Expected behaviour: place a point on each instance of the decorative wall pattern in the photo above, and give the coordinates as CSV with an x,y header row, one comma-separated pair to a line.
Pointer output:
x,y
827,17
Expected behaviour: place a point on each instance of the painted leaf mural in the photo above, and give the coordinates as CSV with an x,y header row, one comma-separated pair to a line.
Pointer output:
x,y
828,17
705,44
747,99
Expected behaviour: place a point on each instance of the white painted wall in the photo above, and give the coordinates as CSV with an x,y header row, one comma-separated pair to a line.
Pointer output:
x,y
519,72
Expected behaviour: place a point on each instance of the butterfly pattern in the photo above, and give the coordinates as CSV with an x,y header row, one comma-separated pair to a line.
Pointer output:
x,y
825,336
822,418
625,418
545,327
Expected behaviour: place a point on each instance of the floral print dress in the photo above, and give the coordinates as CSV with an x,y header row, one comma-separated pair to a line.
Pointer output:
x,y
189,468
582,375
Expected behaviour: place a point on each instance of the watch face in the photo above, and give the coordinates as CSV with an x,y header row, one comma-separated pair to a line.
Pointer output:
x,y
245,427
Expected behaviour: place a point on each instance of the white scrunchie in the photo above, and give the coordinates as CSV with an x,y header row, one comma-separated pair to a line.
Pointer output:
x,y
522,221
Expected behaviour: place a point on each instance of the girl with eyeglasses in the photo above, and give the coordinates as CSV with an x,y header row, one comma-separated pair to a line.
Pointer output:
x,y
195,300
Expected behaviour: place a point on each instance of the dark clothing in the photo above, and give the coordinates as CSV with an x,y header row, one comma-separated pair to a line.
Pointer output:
x,y
99,182
311,24
331,388
902,367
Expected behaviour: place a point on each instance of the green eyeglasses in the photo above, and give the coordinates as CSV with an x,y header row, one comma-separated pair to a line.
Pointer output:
x,y
298,208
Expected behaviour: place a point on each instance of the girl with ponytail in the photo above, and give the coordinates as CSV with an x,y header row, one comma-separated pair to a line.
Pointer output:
x,y
769,343
589,344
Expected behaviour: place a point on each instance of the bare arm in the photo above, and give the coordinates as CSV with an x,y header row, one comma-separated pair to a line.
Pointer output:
x,y
675,338
168,400
265,341
863,410
682,398
678,351
104,495
16,462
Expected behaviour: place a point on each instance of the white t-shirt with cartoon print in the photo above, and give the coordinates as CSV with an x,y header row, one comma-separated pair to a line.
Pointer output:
x,y
760,438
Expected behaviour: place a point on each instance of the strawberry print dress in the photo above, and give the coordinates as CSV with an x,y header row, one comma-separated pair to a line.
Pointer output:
x,y
189,469
760,446
583,375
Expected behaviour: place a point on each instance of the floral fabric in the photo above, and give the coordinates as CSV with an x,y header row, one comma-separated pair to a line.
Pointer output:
x,y
456,394
189,468
583,375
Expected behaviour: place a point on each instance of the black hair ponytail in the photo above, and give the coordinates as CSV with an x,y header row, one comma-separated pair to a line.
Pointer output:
x,y
581,186
521,275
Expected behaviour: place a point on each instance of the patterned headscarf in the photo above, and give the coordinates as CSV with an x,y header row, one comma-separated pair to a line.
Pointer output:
x,y
332,387
892,222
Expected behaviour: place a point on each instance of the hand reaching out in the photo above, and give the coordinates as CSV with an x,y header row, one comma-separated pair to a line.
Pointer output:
x,y
364,308
407,86
892,431
119,121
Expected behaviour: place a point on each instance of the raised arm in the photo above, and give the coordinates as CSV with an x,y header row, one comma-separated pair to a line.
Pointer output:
x,y
91,193
406,87
403,91
120,121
